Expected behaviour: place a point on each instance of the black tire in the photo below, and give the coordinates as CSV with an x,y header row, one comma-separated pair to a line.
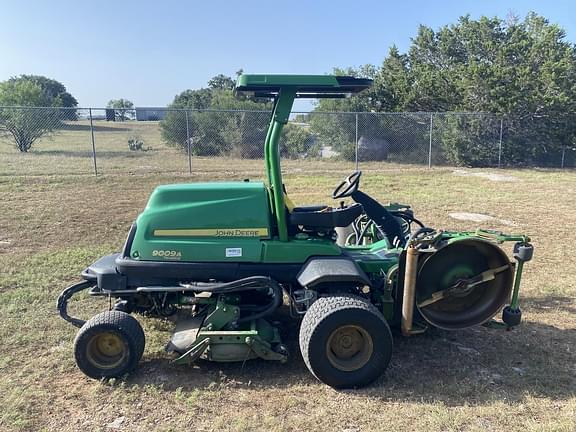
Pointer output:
x,y
329,317
109,345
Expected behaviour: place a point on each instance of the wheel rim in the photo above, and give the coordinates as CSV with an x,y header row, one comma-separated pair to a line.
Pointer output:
x,y
106,350
349,348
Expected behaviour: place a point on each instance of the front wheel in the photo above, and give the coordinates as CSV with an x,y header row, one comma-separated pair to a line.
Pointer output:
x,y
109,345
345,341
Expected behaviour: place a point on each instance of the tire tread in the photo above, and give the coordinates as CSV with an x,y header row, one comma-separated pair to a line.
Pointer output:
x,y
116,320
322,309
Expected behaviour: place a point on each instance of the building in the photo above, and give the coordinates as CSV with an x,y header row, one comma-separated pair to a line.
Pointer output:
x,y
150,114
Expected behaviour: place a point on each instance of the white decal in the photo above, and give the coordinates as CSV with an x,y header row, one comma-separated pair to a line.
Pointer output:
x,y
233,252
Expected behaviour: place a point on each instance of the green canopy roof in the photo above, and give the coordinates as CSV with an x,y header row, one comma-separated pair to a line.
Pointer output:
x,y
305,85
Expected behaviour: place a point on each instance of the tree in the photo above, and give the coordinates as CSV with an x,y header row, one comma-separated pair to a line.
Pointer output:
x,y
297,141
244,123
186,122
193,99
337,131
217,121
27,125
521,69
54,90
221,82
122,108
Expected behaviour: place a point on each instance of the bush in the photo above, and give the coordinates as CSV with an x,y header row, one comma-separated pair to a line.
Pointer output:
x,y
469,140
135,143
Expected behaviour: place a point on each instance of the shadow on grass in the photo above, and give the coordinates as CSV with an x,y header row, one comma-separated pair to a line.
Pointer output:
x,y
469,367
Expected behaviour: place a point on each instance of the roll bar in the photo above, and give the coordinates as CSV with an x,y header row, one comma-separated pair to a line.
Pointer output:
x,y
284,89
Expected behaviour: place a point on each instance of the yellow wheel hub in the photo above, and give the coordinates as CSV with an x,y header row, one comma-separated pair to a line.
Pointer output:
x,y
106,350
349,348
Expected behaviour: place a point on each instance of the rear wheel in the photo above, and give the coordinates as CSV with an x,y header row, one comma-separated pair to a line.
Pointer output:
x,y
109,345
345,341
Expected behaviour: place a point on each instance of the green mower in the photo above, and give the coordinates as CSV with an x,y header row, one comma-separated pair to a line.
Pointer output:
x,y
221,258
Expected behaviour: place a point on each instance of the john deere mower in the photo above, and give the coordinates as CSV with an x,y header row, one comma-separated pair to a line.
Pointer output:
x,y
221,258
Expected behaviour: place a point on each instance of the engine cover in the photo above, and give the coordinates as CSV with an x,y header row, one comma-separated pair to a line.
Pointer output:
x,y
199,222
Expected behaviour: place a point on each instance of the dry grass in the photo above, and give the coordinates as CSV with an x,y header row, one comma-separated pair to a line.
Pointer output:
x,y
56,218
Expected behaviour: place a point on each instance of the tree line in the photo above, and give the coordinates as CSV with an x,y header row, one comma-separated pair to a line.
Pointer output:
x,y
521,71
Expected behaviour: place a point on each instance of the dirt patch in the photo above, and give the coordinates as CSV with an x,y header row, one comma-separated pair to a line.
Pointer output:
x,y
487,175
474,217
479,217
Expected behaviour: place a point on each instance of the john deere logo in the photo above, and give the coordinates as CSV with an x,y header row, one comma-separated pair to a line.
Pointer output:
x,y
237,233
212,232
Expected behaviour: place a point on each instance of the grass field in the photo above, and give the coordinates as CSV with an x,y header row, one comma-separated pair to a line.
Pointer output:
x,y
56,217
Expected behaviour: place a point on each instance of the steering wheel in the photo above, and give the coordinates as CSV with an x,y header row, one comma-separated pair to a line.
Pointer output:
x,y
348,186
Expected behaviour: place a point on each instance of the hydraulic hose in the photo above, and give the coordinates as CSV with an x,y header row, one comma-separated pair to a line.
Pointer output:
x,y
249,283
62,302
409,218
274,304
246,284
419,232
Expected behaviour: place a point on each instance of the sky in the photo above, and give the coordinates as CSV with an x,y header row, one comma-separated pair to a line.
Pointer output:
x,y
149,51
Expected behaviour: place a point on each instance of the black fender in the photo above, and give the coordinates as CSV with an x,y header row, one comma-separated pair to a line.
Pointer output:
x,y
324,270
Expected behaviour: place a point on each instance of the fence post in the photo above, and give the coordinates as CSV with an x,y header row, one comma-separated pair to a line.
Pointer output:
x,y
356,142
430,145
563,155
188,144
93,143
500,143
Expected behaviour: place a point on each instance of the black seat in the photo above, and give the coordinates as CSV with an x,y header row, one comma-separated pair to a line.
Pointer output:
x,y
324,217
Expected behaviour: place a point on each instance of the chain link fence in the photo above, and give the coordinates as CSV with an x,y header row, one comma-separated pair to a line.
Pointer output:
x,y
94,140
